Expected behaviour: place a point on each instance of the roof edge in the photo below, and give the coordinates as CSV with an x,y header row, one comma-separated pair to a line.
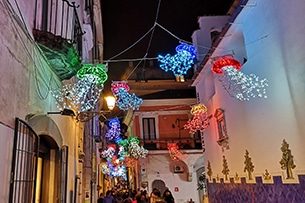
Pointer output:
x,y
233,17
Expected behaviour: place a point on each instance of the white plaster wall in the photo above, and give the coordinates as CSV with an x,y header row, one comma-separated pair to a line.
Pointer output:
x,y
202,37
273,33
6,140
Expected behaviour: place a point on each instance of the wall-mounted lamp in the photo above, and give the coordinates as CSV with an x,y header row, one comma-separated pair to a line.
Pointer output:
x,y
65,112
110,100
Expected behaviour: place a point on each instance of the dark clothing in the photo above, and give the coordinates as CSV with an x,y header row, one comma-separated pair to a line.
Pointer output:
x,y
118,199
168,197
109,199
100,200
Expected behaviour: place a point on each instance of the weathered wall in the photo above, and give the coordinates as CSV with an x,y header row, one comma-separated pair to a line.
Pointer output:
x,y
26,81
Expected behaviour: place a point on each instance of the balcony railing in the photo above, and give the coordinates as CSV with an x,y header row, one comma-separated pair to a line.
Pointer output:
x,y
162,143
58,31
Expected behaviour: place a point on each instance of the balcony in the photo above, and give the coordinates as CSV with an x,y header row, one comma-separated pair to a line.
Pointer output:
x,y
58,32
161,144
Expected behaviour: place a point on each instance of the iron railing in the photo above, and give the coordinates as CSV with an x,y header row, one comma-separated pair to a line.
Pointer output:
x,y
59,18
162,143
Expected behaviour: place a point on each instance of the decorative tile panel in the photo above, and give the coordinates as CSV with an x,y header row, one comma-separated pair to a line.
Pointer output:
x,y
278,192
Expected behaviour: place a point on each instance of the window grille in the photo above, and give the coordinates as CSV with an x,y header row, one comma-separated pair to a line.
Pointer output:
x,y
24,163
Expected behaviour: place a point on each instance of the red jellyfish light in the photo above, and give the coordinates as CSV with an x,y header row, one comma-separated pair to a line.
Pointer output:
x,y
237,84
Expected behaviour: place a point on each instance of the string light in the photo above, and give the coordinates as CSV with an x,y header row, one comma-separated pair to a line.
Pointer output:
x,y
99,70
137,151
237,84
115,86
128,151
179,63
200,121
115,167
127,101
82,95
132,148
198,108
223,62
174,152
114,131
108,153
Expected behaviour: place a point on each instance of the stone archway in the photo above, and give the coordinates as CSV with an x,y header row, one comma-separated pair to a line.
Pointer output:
x,y
48,185
44,125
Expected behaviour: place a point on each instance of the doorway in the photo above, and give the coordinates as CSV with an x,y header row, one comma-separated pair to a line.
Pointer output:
x,y
159,184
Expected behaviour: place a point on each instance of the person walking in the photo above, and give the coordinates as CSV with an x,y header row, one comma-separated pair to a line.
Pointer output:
x,y
167,195
100,199
109,198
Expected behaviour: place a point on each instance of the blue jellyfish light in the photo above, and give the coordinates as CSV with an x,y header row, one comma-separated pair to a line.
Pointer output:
x,y
181,62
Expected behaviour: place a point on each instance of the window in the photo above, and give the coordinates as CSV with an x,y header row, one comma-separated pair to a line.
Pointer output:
x,y
222,128
24,163
149,129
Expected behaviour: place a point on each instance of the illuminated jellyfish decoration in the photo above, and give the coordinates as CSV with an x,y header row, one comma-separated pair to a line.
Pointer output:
x,y
132,148
84,94
125,101
115,167
109,152
115,86
128,151
99,71
175,153
114,132
200,120
237,84
181,62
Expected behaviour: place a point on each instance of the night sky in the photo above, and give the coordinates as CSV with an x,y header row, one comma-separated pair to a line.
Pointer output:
x,y
127,21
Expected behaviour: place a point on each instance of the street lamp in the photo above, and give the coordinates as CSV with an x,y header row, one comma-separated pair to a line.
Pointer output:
x,y
110,100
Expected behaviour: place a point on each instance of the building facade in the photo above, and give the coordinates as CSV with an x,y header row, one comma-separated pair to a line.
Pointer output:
x,y
43,46
254,147
159,125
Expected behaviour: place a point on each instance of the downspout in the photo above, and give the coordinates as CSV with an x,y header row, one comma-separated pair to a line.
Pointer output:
x,y
98,58
99,36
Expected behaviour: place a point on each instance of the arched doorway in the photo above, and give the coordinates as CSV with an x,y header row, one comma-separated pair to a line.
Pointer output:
x,y
52,164
48,170
39,167
159,184
200,176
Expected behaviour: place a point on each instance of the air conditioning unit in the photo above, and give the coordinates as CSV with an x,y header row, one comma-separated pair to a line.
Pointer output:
x,y
178,169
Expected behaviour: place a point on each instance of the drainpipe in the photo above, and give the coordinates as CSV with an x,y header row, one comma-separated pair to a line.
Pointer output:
x,y
99,36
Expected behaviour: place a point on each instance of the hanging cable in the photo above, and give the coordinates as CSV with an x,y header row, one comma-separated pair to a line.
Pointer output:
x,y
132,44
135,67
15,18
152,33
152,29
127,60
151,37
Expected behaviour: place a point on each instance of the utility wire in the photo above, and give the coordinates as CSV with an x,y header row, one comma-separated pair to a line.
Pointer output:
x,y
152,29
135,67
149,43
126,60
152,33
132,44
